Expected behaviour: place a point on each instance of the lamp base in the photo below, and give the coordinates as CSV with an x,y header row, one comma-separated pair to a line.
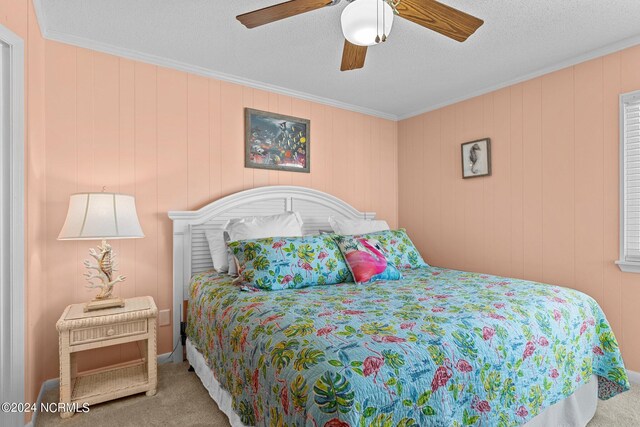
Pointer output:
x,y
100,304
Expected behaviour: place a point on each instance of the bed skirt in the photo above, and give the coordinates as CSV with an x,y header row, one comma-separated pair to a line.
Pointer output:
x,y
217,393
574,411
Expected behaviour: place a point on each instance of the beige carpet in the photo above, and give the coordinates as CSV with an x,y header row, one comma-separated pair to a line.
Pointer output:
x,y
183,401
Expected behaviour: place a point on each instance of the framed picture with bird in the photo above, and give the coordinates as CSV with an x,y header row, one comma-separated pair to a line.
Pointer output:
x,y
275,141
476,158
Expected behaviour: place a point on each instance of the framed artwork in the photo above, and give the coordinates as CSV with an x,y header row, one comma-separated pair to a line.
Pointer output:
x,y
476,158
277,142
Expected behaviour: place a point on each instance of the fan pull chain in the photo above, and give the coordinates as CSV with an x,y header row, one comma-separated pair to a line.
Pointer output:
x,y
378,20
384,26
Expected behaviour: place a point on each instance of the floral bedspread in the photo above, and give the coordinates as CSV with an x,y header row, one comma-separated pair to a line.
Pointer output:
x,y
438,348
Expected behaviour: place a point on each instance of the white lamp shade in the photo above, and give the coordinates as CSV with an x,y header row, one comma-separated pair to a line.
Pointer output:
x,y
363,20
96,216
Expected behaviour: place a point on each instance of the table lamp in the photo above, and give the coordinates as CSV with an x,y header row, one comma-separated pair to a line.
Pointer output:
x,y
101,216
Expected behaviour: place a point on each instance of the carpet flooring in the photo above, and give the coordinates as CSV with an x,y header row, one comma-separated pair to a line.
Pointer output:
x,y
183,401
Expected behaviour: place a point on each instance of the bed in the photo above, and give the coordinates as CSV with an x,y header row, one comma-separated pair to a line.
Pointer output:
x,y
439,347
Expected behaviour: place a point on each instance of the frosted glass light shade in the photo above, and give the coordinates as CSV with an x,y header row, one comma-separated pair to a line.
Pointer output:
x,y
96,216
361,20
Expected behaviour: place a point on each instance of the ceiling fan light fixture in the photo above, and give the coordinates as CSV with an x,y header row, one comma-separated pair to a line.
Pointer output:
x,y
365,22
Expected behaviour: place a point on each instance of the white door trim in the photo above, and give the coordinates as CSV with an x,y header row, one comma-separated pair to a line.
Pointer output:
x,y
12,300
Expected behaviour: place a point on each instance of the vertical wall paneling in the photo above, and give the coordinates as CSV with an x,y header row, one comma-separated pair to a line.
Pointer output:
x,y
501,173
172,180
145,121
233,130
127,182
550,210
61,175
589,178
339,161
532,178
558,162
320,138
127,166
630,81
377,161
215,139
490,223
431,215
198,144
516,161
175,141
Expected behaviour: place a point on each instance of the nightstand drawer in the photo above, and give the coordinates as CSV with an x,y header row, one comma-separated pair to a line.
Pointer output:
x,y
105,332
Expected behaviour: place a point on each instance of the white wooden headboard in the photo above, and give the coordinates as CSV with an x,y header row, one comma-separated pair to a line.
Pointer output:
x,y
191,250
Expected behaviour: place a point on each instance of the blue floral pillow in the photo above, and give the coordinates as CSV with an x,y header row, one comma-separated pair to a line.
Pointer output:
x,y
290,262
366,259
399,248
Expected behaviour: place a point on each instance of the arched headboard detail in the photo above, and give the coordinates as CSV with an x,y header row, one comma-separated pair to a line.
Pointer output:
x,y
190,248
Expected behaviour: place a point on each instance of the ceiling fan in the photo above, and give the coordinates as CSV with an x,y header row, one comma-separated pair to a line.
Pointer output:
x,y
369,22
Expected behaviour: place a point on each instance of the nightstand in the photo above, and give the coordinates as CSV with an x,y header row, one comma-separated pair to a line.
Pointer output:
x,y
79,331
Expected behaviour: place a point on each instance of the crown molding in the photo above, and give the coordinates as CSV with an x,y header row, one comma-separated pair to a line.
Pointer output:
x,y
194,69
135,55
596,53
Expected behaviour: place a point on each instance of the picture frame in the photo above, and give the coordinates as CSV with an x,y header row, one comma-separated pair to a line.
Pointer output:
x,y
277,142
476,158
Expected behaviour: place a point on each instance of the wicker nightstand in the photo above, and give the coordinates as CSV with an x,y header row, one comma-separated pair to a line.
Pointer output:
x,y
79,331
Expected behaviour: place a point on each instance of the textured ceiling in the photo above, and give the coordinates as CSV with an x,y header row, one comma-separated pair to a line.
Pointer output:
x,y
414,71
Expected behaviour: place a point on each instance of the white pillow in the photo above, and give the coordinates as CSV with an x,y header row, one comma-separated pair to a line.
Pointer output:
x,y
288,224
231,260
218,249
357,226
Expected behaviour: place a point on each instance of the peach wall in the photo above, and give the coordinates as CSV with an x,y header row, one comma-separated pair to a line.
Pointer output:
x,y
173,140
19,16
176,141
550,210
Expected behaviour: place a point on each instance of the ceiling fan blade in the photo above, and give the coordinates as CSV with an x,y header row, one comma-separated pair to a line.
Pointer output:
x,y
440,18
280,11
353,56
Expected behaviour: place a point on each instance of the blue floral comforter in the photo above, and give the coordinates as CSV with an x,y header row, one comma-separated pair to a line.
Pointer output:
x,y
438,348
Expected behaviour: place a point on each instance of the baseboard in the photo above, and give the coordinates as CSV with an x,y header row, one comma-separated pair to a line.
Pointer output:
x,y
55,383
164,358
46,386
634,377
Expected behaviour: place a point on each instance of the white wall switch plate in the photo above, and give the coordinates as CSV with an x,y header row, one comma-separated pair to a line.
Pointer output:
x,y
164,317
